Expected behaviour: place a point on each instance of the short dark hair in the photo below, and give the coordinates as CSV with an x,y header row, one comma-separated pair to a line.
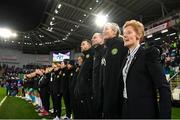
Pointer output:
x,y
81,56
65,61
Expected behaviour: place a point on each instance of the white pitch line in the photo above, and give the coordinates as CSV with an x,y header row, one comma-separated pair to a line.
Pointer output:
x,y
3,100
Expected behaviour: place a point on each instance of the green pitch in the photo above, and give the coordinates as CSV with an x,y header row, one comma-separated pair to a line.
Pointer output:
x,y
16,108
2,93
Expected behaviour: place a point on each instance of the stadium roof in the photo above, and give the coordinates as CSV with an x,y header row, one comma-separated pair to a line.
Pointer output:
x,y
51,25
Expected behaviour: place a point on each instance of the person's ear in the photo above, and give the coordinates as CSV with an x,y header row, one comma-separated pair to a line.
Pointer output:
x,y
114,32
138,36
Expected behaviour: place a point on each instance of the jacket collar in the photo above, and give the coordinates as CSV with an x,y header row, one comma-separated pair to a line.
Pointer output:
x,y
88,51
134,58
111,41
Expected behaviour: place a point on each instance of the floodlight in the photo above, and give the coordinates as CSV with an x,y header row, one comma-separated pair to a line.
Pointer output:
x,y
101,19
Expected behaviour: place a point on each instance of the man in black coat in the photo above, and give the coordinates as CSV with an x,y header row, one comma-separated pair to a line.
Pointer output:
x,y
97,43
111,64
83,89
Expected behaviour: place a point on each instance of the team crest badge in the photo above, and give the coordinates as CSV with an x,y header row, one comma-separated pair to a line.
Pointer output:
x,y
114,51
87,56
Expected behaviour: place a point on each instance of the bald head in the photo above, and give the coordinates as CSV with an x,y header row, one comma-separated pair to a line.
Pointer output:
x,y
97,39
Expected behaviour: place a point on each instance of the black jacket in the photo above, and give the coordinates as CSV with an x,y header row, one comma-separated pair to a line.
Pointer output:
x,y
96,76
111,64
74,82
144,78
29,83
84,79
43,83
35,81
64,81
71,80
55,82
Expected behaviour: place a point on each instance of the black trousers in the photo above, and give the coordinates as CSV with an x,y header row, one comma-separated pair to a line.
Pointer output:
x,y
72,102
75,108
124,108
67,102
56,99
45,98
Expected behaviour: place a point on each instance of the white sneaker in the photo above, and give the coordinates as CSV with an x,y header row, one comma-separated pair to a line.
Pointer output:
x,y
71,116
66,118
63,117
51,110
56,118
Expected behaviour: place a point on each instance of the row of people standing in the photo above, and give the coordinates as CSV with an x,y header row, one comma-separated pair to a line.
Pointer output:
x,y
55,81
98,85
117,79
121,79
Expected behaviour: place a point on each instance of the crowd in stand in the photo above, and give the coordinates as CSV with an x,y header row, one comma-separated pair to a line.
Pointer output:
x,y
170,58
96,85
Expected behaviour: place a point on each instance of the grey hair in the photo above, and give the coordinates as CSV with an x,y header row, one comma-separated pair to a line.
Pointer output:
x,y
115,27
97,34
